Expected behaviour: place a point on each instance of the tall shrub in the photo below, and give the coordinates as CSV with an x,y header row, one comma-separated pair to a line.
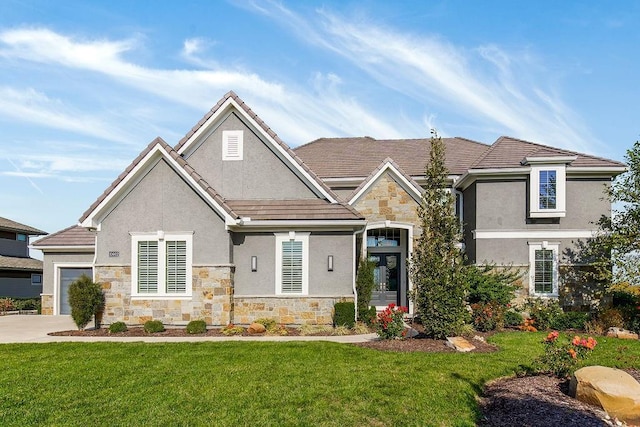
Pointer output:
x,y
86,300
436,264
364,287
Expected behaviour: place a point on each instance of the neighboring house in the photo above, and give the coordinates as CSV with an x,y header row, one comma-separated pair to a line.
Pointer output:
x,y
20,275
231,225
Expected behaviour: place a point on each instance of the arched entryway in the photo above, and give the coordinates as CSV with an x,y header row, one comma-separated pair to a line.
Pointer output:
x,y
388,245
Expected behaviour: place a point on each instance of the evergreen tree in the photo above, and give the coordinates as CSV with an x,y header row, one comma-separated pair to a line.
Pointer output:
x,y
436,266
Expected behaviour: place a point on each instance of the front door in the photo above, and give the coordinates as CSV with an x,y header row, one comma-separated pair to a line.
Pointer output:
x,y
387,279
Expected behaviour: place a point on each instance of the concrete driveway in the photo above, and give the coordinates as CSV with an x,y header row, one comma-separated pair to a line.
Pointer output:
x,y
34,329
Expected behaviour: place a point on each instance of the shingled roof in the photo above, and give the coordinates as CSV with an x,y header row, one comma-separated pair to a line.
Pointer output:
x,y
509,152
357,157
19,263
311,209
10,225
70,236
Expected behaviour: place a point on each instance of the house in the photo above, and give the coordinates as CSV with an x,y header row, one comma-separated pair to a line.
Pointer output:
x,y
20,275
231,224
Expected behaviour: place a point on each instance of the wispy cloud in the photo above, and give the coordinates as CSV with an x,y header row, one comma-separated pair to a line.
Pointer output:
x,y
487,84
32,106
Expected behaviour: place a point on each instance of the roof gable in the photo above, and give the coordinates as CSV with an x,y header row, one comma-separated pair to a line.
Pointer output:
x,y
388,166
232,103
156,150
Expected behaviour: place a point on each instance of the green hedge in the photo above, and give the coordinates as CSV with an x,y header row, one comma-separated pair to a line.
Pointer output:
x,y
344,314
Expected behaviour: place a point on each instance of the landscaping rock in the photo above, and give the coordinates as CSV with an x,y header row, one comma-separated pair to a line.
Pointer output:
x,y
410,332
256,328
615,391
460,344
622,334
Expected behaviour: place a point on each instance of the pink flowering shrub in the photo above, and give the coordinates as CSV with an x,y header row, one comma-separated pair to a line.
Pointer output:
x,y
562,355
390,322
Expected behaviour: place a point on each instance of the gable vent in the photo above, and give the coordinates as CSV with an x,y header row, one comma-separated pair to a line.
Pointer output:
x,y
232,145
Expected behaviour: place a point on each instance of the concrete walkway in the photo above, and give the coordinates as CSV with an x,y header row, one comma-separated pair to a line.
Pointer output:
x,y
34,329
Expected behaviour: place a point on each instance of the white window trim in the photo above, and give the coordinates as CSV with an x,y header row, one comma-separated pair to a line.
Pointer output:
x,y
533,247
561,190
161,237
299,237
226,134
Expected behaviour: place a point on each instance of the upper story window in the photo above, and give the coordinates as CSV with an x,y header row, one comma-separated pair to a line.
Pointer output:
x,y
21,237
161,264
292,263
547,186
232,144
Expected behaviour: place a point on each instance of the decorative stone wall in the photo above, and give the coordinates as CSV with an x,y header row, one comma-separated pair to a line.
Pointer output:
x,y
387,200
47,304
286,310
211,299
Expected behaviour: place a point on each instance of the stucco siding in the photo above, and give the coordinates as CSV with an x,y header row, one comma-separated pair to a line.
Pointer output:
x,y
259,175
586,203
163,201
321,281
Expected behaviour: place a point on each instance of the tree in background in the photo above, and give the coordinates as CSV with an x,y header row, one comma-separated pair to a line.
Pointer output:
x,y
616,248
436,266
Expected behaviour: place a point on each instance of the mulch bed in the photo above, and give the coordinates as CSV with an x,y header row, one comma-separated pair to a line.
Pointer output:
x,y
532,401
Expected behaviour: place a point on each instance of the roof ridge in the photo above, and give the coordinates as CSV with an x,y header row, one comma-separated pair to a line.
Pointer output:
x,y
537,144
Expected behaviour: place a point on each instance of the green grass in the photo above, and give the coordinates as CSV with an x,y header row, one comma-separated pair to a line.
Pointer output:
x,y
257,383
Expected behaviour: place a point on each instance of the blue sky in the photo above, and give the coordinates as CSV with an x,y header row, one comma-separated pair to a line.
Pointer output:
x,y
85,86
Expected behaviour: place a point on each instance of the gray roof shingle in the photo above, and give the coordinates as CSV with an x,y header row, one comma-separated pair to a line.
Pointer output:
x,y
357,157
70,236
18,263
310,209
10,225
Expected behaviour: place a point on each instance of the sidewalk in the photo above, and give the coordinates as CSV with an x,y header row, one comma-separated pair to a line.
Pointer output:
x,y
34,329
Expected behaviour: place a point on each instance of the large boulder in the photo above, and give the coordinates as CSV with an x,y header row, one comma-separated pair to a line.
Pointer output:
x,y
622,334
256,328
459,344
615,391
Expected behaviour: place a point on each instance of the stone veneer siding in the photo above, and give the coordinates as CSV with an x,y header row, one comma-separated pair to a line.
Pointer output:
x,y
47,304
211,299
287,310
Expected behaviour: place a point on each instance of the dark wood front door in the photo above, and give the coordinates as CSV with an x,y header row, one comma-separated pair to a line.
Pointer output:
x,y
387,278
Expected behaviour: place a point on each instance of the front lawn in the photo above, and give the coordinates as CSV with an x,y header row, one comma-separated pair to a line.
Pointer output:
x,y
258,383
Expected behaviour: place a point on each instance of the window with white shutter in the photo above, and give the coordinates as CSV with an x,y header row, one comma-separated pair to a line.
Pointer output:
x,y
543,266
292,263
232,144
161,264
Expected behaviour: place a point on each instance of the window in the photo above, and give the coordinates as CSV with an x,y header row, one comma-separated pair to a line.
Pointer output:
x,y
161,264
547,191
292,263
36,279
543,276
232,145
21,237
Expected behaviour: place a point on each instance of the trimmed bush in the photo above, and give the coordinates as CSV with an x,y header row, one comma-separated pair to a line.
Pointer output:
x,y
232,329
86,300
570,320
364,287
487,316
513,319
368,316
344,314
489,284
543,312
27,304
116,327
153,326
197,327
